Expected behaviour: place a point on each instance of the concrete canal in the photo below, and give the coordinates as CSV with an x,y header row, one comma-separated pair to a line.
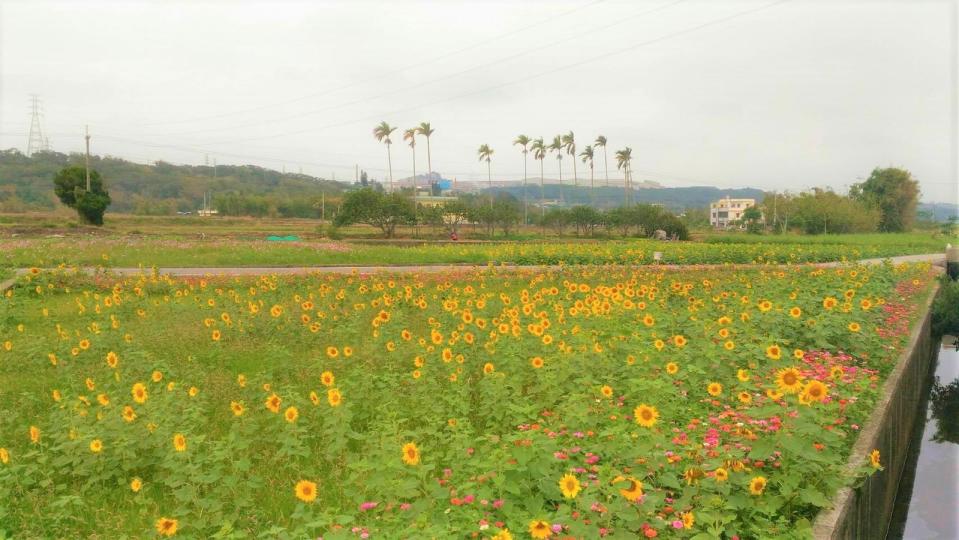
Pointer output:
x,y
927,505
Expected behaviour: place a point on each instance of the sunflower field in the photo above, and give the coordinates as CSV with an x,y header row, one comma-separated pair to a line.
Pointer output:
x,y
578,403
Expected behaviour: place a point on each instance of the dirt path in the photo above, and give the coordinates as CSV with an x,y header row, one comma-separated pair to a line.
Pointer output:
x,y
935,258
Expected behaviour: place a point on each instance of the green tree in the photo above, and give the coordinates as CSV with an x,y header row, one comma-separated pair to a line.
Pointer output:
x,y
485,153
601,143
585,219
382,210
382,133
410,137
70,186
822,211
894,193
523,142
623,159
425,130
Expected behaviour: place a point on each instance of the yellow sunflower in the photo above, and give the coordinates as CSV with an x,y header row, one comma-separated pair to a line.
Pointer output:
x,y
334,397
773,352
672,368
411,454
167,526
757,485
179,442
539,529
632,492
569,486
291,414
305,491
815,391
139,393
714,389
874,459
646,415
789,380
606,391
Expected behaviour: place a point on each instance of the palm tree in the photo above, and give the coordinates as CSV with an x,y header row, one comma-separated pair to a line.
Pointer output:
x,y
557,146
569,143
523,141
410,135
587,155
425,130
539,152
601,142
623,157
486,154
382,133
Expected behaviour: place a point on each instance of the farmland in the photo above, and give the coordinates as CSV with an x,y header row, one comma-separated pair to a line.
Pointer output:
x,y
585,402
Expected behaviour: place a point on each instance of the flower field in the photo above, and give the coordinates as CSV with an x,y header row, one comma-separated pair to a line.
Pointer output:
x,y
585,403
173,250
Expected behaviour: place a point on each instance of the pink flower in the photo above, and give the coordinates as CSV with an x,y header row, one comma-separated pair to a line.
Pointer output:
x,y
469,499
678,524
498,503
557,528
405,506
368,506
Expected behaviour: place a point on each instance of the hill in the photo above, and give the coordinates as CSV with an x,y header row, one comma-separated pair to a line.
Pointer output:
x,y
26,183
607,197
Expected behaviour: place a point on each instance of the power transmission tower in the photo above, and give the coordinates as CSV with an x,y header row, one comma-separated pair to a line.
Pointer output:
x,y
36,142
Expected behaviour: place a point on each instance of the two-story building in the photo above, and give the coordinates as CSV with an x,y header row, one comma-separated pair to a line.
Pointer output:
x,y
724,212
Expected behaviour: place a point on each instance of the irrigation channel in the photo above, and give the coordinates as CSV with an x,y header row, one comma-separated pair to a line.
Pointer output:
x,y
927,506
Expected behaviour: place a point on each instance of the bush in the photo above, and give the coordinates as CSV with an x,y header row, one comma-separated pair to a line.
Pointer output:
x,y
945,309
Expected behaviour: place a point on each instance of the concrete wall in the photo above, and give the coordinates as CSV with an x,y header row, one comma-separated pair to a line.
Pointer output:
x,y
865,512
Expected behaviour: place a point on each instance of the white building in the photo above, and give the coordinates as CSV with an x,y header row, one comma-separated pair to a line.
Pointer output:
x,y
724,212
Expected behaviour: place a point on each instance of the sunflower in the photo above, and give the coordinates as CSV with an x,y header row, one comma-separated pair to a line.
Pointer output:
x,y
774,395
714,389
829,302
179,442
291,414
854,327
241,380
765,306
273,403
34,434
96,446
606,390
136,484
645,415
757,485
773,352
874,459
166,526
680,341
129,414
742,375
56,395
411,454
539,529
721,474
503,534
659,344
488,368
798,354
4,456
215,336
789,380
729,345
237,408
537,362
103,399
569,486
276,311
836,372
305,491
334,397
156,376
688,520
332,352
327,378
745,397
648,320
815,391
112,359
634,491
795,312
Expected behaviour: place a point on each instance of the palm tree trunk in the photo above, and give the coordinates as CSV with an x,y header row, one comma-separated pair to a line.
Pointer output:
x,y
389,162
525,201
575,181
606,165
429,163
414,170
592,185
562,200
542,197
626,183
489,178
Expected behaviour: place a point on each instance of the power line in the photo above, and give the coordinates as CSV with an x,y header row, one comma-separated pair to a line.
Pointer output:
x,y
525,52
565,67
383,75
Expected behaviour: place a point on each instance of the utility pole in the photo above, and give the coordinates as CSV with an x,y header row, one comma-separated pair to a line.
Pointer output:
x,y
87,160
323,206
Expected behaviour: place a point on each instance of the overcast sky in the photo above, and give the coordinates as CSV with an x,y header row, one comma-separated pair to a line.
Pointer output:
x,y
774,95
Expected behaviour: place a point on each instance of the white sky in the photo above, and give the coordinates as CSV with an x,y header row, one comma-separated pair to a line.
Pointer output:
x,y
773,95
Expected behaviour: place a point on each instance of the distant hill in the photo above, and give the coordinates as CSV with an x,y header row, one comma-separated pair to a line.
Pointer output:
x,y
672,198
937,211
26,183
